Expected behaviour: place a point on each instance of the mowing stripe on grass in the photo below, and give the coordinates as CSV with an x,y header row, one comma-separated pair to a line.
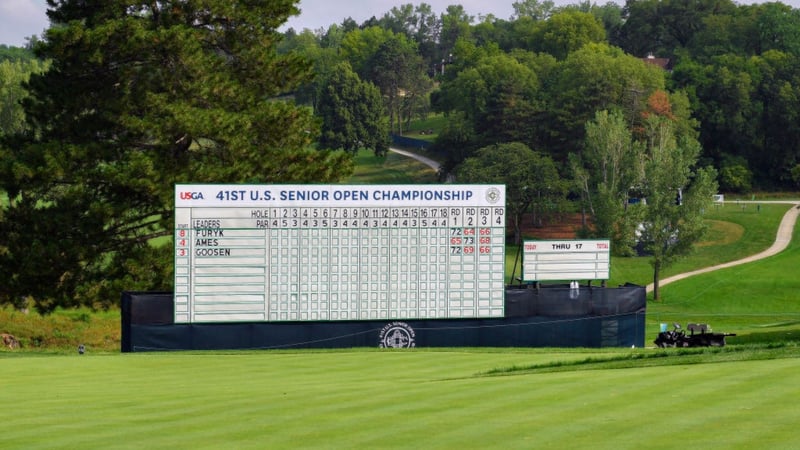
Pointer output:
x,y
389,399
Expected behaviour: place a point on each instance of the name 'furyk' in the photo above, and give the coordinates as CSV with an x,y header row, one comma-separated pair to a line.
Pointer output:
x,y
205,232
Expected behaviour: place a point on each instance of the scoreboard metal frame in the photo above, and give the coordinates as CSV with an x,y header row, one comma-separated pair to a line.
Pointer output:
x,y
276,253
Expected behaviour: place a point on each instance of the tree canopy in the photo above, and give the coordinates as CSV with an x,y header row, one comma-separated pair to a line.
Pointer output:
x,y
737,64
531,178
352,113
127,97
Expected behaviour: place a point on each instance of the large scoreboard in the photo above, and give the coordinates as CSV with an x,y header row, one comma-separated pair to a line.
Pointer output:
x,y
338,252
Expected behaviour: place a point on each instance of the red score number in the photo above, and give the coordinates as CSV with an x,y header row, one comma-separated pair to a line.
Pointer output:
x,y
485,238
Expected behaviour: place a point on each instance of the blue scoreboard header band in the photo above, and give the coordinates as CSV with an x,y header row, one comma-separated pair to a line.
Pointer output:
x,y
337,195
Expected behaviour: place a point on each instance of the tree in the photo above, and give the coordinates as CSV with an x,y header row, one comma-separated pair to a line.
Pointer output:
x,y
610,14
16,53
531,178
777,27
142,95
664,26
734,175
306,44
455,24
658,162
682,19
796,175
670,227
399,73
358,46
748,107
609,166
595,78
499,96
13,76
352,113
535,9
779,95
567,32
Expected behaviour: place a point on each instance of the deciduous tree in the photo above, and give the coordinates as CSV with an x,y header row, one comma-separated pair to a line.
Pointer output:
x,y
566,32
607,169
13,75
677,193
531,178
595,78
352,113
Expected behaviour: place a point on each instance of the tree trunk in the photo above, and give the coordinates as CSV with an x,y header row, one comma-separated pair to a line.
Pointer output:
x,y
656,276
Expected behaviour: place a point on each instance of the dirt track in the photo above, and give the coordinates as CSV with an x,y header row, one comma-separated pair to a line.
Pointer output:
x,y
782,239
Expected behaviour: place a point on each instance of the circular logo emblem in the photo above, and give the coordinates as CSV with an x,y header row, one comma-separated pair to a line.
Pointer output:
x,y
396,335
493,195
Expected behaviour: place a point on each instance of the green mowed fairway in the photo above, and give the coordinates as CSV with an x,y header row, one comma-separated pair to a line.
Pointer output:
x,y
392,399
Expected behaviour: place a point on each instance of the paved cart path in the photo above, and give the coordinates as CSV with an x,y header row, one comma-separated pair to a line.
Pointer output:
x,y
782,239
427,161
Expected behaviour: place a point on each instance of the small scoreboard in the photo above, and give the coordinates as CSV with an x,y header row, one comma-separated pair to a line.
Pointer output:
x,y
338,252
566,260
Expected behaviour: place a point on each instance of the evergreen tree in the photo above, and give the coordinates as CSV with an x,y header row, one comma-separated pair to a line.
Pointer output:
x,y
142,95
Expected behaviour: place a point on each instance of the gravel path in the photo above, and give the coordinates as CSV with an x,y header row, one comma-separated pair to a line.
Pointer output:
x,y
782,239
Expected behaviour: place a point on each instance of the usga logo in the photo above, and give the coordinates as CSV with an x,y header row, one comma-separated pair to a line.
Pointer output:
x,y
191,195
396,335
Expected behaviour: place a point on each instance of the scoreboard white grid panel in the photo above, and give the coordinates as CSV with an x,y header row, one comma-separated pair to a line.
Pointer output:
x,y
330,253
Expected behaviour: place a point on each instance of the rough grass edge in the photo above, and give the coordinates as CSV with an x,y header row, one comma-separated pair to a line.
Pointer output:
x,y
639,358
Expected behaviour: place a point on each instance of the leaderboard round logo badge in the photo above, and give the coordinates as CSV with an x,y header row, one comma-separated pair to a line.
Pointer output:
x,y
396,335
493,195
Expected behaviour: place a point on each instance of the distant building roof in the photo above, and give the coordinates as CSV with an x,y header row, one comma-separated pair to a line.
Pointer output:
x,y
664,63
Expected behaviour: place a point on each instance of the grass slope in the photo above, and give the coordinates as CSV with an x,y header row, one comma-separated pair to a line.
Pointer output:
x,y
759,300
733,234
392,399
393,169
